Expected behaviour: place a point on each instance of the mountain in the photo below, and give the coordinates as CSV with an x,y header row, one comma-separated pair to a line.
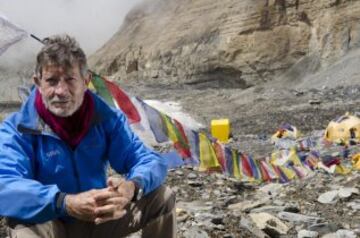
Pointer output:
x,y
231,43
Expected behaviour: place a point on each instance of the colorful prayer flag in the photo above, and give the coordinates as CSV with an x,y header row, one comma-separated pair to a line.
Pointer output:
x,y
208,160
156,123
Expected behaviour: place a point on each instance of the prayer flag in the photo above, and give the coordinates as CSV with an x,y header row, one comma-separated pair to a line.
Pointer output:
x,y
9,34
208,160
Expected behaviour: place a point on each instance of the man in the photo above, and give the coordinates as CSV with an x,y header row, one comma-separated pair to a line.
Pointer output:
x,y
54,154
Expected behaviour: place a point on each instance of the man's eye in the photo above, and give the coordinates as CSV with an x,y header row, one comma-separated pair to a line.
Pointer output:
x,y
70,79
51,81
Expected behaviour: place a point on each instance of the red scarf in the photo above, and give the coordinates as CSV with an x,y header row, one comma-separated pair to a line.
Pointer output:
x,y
71,129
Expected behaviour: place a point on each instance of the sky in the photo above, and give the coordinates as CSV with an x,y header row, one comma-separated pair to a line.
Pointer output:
x,y
91,22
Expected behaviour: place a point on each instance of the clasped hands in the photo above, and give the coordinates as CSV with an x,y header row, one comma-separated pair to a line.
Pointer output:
x,y
101,205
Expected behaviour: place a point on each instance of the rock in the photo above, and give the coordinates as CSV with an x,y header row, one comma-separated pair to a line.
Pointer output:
x,y
195,183
330,197
307,234
291,208
251,226
181,215
271,189
192,176
347,192
195,206
329,235
245,206
269,224
205,216
217,220
298,218
314,102
345,234
228,236
354,205
209,226
268,209
195,232
323,228
179,172
279,202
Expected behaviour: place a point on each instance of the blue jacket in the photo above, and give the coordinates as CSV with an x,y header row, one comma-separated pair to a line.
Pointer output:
x,y
36,165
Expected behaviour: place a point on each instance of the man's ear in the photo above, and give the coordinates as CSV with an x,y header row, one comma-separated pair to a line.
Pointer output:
x,y
36,80
88,78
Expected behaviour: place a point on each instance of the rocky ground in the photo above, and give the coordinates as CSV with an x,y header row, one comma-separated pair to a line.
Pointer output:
x,y
210,205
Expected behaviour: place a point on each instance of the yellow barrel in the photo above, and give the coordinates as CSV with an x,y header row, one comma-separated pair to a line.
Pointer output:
x,y
220,129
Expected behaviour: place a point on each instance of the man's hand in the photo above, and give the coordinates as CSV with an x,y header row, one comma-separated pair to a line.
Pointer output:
x,y
113,207
82,206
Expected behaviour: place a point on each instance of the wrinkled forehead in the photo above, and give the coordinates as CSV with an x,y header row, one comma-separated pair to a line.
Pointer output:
x,y
51,70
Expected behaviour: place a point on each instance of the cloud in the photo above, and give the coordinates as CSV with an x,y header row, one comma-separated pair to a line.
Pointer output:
x,y
91,22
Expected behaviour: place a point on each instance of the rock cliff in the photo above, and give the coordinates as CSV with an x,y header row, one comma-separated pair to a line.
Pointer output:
x,y
229,43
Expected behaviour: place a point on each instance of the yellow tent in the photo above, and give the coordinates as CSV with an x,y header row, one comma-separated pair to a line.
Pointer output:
x,y
344,129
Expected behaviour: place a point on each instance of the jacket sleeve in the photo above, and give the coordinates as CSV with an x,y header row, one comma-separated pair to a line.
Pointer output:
x,y
21,196
128,155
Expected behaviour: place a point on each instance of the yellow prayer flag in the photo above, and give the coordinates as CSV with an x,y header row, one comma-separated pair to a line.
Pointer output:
x,y
91,87
208,159
170,128
235,157
356,161
340,169
290,174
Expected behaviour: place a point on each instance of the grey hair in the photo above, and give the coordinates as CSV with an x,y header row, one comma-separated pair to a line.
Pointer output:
x,y
61,50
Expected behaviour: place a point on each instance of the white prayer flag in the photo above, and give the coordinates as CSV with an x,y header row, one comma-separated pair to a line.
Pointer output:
x,y
9,34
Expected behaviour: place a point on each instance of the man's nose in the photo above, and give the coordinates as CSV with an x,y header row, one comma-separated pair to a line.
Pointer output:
x,y
62,88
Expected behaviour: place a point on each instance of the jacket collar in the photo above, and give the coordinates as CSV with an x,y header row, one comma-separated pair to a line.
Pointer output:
x,y
31,123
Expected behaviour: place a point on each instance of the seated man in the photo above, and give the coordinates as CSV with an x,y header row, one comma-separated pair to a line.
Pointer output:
x,y
54,155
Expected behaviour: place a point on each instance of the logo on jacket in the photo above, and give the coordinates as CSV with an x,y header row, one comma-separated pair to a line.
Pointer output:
x,y
52,153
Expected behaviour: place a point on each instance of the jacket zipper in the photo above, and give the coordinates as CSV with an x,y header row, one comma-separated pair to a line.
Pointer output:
x,y
74,167
76,173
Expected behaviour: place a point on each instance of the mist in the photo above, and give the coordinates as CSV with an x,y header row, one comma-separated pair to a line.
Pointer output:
x,y
91,22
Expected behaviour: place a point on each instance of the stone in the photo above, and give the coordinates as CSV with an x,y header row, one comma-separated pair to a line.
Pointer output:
x,y
345,234
181,215
298,218
323,228
347,192
307,234
270,224
179,172
228,236
192,176
195,232
245,206
206,216
329,235
315,102
195,206
330,197
195,183
268,209
353,205
291,208
278,202
251,226
271,189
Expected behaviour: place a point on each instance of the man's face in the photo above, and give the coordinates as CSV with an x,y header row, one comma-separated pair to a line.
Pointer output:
x,y
62,89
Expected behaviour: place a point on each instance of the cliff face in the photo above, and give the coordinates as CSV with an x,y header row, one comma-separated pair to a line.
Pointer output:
x,y
230,43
